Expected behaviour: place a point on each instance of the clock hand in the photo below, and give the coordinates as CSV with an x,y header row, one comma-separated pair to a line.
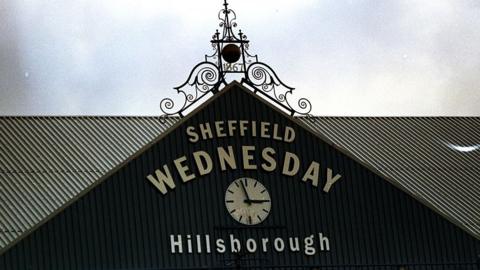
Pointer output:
x,y
256,201
246,193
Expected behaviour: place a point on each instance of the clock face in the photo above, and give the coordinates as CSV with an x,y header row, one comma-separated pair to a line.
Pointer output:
x,y
248,201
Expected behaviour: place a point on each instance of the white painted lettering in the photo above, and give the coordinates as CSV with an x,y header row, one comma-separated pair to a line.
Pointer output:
x,y
220,243
289,134
203,161
294,244
176,245
193,136
207,244
226,158
330,180
162,179
202,244
270,163
251,245
309,249
183,169
206,131
234,244
275,133
324,242
219,129
264,126
264,244
248,157
243,127
231,127
199,244
279,244
291,164
189,244
312,173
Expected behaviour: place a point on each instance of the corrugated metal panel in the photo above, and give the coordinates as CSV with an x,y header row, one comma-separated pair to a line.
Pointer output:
x,y
45,161
414,152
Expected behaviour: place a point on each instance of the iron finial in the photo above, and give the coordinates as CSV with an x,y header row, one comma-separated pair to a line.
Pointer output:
x,y
231,56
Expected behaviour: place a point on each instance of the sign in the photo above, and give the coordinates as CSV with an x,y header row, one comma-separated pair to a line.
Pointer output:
x,y
204,244
252,158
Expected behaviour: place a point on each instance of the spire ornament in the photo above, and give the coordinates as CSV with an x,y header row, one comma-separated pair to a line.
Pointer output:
x,y
231,56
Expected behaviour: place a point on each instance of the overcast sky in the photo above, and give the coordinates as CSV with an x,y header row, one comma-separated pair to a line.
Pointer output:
x,y
357,57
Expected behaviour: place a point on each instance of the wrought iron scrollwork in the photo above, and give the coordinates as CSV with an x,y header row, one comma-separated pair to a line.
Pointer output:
x,y
207,76
204,78
228,19
263,79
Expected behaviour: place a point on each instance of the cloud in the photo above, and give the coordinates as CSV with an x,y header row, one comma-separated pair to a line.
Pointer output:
x,y
392,58
351,58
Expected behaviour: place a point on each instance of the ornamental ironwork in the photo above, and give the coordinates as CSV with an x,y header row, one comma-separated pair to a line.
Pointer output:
x,y
231,56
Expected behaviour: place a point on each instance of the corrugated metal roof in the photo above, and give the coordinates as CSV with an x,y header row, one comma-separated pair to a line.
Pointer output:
x,y
46,161
417,154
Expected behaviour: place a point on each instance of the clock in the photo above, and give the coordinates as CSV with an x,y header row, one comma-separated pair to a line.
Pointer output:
x,y
247,201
